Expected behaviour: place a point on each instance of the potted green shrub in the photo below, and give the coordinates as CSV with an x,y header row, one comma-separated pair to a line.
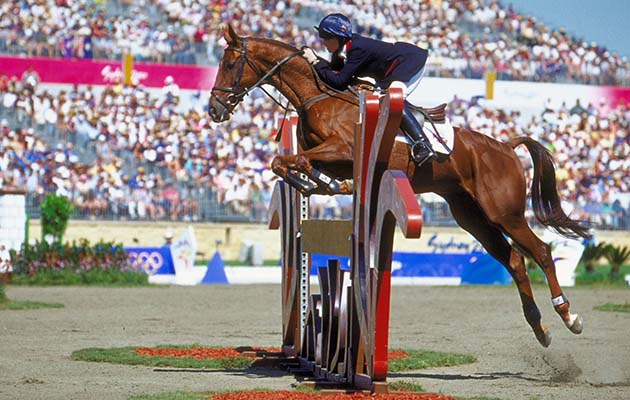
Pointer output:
x,y
591,255
55,213
616,256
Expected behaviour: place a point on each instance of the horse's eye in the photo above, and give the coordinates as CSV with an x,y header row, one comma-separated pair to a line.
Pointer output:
x,y
229,65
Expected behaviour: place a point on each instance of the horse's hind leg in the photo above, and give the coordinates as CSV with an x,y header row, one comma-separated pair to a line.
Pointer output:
x,y
470,217
540,251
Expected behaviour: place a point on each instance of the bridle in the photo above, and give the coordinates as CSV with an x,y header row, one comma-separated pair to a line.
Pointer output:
x,y
236,92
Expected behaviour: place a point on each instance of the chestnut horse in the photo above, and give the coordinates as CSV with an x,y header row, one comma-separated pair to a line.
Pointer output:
x,y
482,180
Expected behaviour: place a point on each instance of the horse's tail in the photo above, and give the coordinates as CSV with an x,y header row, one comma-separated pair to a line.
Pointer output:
x,y
545,197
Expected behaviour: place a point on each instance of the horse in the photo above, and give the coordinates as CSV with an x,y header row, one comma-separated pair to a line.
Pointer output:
x,y
482,180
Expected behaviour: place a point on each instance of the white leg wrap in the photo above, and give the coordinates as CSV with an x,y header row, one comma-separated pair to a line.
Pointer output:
x,y
556,301
571,321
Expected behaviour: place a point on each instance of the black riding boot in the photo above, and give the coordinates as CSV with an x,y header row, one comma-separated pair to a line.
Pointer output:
x,y
421,150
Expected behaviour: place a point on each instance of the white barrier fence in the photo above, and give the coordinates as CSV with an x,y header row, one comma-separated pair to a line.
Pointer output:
x,y
12,218
12,225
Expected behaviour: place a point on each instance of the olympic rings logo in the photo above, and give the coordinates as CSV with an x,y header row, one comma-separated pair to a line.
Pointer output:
x,y
149,262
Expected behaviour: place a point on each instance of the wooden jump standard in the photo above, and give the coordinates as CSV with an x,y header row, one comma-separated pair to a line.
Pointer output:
x,y
341,334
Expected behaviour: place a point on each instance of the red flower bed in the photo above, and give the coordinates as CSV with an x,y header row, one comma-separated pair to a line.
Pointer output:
x,y
217,353
287,395
396,354
202,352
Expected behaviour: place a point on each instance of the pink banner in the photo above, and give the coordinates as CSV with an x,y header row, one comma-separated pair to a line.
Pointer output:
x,y
615,95
88,72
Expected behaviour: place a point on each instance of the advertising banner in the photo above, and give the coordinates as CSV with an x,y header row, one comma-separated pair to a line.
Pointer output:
x,y
184,251
152,260
451,268
566,255
91,72
526,96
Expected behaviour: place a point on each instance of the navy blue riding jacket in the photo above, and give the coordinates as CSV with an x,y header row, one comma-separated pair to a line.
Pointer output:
x,y
385,62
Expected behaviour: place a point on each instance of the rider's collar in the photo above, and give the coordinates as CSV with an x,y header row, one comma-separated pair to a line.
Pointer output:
x,y
344,49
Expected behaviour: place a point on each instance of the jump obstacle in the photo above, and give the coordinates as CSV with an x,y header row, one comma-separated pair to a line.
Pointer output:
x,y
340,335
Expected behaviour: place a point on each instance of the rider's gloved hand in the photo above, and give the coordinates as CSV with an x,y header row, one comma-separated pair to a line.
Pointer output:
x,y
310,55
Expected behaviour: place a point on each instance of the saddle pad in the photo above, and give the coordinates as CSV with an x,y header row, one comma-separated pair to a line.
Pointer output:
x,y
444,133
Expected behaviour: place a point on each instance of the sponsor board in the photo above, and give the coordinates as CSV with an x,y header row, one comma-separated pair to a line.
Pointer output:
x,y
89,72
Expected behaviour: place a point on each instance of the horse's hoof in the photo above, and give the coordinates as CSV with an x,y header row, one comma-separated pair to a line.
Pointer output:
x,y
545,338
574,323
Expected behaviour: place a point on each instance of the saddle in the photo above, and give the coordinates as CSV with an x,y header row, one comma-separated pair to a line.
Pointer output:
x,y
435,114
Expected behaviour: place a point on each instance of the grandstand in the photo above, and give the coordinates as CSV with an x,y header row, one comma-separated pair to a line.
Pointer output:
x,y
141,152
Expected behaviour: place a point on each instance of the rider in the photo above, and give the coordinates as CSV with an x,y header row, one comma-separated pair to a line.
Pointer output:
x,y
354,55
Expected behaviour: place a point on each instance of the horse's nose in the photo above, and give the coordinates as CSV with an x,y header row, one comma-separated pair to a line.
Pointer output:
x,y
214,113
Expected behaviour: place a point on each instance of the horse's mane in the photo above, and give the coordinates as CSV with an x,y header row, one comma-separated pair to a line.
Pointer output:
x,y
273,42
317,80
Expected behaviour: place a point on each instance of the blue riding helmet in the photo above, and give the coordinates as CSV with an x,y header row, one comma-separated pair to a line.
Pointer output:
x,y
337,25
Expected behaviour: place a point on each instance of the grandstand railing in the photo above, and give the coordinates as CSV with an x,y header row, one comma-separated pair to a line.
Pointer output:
x,y
209,210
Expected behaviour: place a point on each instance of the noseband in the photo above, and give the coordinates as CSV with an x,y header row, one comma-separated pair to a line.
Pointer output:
x,y
236,92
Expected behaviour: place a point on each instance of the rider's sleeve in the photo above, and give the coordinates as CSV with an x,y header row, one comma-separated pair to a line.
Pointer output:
x,y
342,78
337,62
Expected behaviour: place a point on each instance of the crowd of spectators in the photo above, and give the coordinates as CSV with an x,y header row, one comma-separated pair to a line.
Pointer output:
x,y
83,29
527,47
127,152
590,144
466,38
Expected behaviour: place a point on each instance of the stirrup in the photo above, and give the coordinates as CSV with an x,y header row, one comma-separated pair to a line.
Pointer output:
x,y
421,153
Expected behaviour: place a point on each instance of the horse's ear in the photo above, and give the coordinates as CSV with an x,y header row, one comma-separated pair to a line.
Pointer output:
x,y
230,36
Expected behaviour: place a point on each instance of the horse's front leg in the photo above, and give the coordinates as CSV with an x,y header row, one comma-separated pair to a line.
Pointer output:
x,y
284,167
280,165
331,150
291,173
329,184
